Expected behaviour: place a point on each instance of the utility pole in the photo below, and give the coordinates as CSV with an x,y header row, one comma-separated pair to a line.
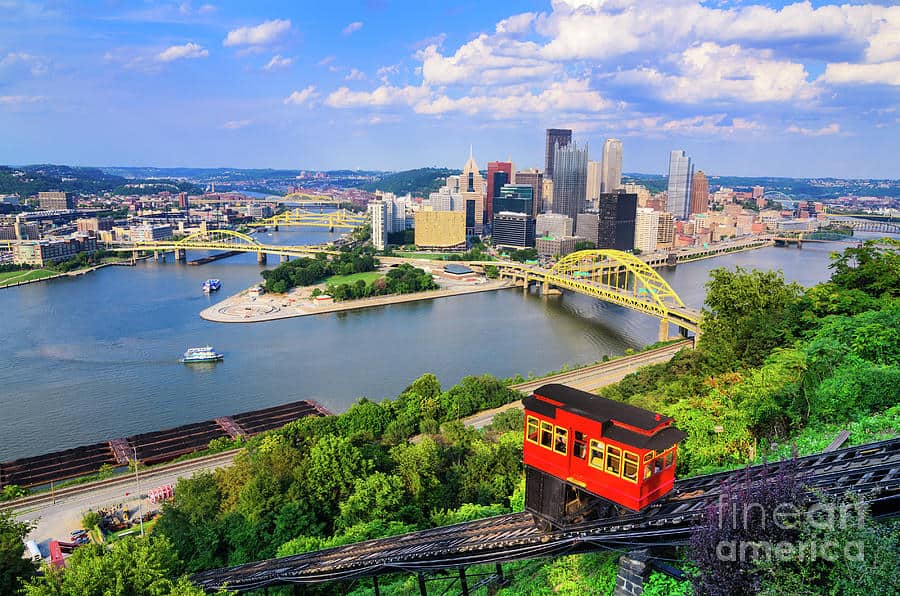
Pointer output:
x,y
137,481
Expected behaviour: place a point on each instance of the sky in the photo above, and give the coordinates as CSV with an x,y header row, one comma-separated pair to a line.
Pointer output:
x,y
746,88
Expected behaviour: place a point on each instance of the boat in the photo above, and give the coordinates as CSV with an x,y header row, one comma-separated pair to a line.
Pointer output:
x,y
204,354
211,285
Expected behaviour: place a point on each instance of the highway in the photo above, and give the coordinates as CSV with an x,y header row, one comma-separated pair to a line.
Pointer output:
x,y
58,514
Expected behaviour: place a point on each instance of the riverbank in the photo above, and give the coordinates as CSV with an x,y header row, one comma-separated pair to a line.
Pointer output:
x,y
31,276
244,308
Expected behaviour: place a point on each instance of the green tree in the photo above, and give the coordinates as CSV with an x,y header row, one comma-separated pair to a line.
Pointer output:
x,y
873,268
14,569
376,497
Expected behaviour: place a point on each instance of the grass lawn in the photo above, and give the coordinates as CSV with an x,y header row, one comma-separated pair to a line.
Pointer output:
x,y
368,277
12,277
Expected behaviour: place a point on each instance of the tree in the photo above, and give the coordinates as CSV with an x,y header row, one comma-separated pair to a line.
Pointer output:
x,y
14,569
873,267
491,271
376,497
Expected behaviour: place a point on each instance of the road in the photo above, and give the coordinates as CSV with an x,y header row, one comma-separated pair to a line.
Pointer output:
x,y
58,516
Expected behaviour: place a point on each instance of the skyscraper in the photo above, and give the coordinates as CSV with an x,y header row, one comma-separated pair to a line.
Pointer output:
x,y
594,180
495,182
680,171
569,179
611,179
646,229
535,180
555,136
617,214
471,187
699,193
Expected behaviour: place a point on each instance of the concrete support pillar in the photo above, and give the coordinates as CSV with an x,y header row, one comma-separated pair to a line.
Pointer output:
x,y
545,288
663,329
276,227
633,571
180,254
133,257
525,284
261,258
155,255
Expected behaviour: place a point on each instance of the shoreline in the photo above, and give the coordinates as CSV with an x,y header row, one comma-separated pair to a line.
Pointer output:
x,y
234,308
74,273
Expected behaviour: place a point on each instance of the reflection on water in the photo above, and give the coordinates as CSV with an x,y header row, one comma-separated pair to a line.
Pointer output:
x,y
97,357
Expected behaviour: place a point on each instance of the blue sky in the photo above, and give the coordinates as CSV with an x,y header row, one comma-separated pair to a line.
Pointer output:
x,y
805,89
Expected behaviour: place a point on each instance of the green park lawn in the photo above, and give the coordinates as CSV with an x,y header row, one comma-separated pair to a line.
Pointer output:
x,y
12,277
367,276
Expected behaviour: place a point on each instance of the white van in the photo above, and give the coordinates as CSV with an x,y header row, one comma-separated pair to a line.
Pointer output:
x,y
33,551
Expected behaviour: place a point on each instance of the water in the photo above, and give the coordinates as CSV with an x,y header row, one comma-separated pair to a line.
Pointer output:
x,y
96,357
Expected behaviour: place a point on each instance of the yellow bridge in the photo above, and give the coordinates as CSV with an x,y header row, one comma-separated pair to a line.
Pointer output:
x,y
223,240
612,276
297,217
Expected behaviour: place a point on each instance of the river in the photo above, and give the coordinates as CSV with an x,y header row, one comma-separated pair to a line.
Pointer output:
x,y
96,357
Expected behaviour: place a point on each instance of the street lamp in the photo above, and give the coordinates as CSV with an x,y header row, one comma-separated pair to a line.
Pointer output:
x,y
137,481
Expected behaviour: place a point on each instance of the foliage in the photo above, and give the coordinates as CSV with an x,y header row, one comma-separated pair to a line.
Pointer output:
x,y
573,575
307,271
12,491
659,584
873,268
91,519
134,565
403,279
491,271
525,254
14,568
421,181
584,245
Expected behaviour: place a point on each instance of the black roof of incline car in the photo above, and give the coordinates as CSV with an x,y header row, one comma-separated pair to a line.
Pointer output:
x,y
605,411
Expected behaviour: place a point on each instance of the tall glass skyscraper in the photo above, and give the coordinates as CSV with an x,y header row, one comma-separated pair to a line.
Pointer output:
x,y
555,136
680,173
569,179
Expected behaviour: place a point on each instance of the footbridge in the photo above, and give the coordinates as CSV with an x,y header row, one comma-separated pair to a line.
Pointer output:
x,y
224,240
299,217
612,276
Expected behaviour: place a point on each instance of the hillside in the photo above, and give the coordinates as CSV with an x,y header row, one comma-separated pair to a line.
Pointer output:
x,y
30,180
420,181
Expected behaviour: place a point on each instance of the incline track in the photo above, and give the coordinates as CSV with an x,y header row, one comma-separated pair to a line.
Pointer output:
x,y
870,470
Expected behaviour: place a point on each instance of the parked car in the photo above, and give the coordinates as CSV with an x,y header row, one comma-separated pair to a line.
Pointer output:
x,y
76,533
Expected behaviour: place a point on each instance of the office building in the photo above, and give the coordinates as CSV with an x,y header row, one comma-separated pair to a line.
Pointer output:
x,y
472,189
56,201
641,191
611,180
388,215
498,174
646,229
616,213
555,247
699,193
513,230
515,198
183,202
444,199
378,216
594,180
440,230
589,226
569,180
547,196
556,137
535,180
665,235
94,224
680,171
258,210
38,253
553,224
150,232
19,230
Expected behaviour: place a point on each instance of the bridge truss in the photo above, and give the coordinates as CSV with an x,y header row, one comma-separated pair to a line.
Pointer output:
x,y
224,240
298,217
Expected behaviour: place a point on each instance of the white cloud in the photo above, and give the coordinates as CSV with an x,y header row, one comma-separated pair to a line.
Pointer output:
x,y
278,62
843,73
188,50
298,98
355,75
352,27
261,34
13,100
709,71
37,66
382,96
325,61
516,24
485,60
236,124
831,129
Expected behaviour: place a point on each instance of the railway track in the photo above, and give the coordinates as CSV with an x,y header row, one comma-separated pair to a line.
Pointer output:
x,y
870,470
124,480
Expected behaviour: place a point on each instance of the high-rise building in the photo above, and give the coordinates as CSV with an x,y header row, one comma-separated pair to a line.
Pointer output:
x,y
444,199
93,224
513,230
758,191
554,224
547,196
641,191
515,198
665,235
56,201
569,180
699,193
555,247
617,212
589,226
378,215
498,174
680,170
388,216
445,230
646,229
535,179
472,189
555,137
183,203
611,180
594,180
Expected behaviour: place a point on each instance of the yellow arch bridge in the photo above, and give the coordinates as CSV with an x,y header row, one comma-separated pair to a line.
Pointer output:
x,y
223,240
298,217
612,276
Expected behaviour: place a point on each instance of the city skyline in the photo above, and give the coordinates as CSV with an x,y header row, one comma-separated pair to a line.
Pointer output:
x,y
799,90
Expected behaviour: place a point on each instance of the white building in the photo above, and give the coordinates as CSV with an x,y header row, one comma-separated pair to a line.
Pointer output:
x,y
594,180
555,225
151,233
378,216
646,229
611,179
